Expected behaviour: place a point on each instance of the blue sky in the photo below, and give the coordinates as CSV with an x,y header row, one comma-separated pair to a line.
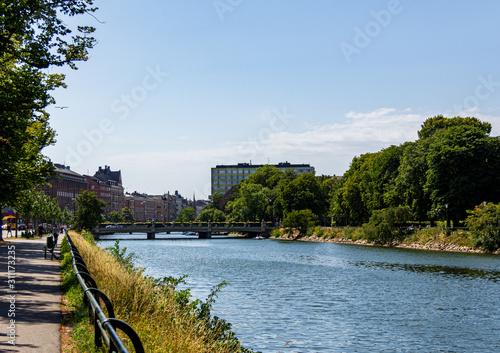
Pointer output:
x,y
174,88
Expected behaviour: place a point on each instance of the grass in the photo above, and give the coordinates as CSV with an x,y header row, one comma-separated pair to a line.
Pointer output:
x,y
441,236
434,235
166,320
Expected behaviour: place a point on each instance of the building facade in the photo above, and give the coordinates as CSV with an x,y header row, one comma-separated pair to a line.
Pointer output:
x,y
102,190
114,180
66,187
224,177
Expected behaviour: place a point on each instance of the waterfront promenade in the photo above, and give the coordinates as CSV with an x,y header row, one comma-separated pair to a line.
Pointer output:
x,y
30,319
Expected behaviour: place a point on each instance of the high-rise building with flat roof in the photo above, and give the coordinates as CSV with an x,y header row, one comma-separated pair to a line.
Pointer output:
x,y
224,177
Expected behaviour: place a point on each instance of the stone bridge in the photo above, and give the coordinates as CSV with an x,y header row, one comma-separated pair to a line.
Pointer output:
x,y
203,229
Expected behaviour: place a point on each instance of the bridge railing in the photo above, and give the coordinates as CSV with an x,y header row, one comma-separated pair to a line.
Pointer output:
x,y
143,225
105,328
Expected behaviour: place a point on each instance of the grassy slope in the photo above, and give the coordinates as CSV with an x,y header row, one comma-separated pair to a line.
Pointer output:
x,y
154,311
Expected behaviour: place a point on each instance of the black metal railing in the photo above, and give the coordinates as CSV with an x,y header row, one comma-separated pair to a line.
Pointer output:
x,y
105,327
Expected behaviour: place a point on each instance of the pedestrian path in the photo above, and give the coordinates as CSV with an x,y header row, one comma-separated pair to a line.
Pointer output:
x,y
30,308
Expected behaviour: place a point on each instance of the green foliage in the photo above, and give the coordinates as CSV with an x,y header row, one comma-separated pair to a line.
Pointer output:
x,y
33,38
439,123
127,214
83,332
484,223
89,212
115,217
209,213
303,193
267,176
301,220
216,201
38,205
187,214
454,162
66,215
387,224
250,205
127,260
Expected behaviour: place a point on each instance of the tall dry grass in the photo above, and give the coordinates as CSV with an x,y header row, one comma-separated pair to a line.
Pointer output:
x,y
161,322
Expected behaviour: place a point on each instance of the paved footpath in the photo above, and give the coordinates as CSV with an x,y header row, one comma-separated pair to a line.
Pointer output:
x,y
30,305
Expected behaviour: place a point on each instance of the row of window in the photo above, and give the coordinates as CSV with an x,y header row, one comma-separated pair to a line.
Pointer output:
x,y
227,183
234,171
223,177
222,188
67,194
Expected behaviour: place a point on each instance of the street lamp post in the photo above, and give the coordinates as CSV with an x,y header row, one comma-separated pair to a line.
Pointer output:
x,y
447,218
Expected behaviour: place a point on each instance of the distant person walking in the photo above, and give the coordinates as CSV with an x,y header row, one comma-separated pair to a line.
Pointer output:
x,y
56,232
9,229
40,230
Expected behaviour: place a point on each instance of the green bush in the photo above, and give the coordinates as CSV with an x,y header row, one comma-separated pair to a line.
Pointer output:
x,y
387,225
484,224
301,220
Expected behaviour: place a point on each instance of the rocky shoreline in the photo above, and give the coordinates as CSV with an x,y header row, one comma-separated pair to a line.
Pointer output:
x,y
450,247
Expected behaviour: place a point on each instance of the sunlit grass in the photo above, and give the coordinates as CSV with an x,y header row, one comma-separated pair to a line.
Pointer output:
x,y
162,323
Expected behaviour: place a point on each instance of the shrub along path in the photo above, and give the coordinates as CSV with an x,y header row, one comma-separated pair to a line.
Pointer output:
x,y
32,299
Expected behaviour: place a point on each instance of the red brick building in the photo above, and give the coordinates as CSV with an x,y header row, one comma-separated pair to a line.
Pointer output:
x,y
102,190
67,187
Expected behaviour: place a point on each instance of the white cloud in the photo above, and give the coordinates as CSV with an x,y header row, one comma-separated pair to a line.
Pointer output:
x,y
329,148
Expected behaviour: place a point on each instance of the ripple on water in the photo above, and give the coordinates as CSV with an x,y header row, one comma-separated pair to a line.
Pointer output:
x,y
335,298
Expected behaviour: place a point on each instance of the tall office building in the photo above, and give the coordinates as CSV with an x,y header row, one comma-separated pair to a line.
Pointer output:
x,y
224,177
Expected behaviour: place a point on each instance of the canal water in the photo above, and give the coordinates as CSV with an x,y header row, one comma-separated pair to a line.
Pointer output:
x,y
324,297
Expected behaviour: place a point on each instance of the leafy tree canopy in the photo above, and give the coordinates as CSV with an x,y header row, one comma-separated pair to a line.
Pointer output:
x,y
211,214
187,214
128,216
250,205
89,212
115,217
432,125
301,220
33,36
305,192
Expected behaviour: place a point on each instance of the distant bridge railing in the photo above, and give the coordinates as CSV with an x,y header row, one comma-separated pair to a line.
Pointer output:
x,y
105,328
203,229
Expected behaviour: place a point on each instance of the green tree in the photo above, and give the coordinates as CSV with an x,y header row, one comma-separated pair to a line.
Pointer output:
x,y
268,176
89,211
463,165
211,214
484,223
216,201
187,214
66,215
250,204
411,179
128,216
115,217
305,192
34,37
302,220
439,122
387,224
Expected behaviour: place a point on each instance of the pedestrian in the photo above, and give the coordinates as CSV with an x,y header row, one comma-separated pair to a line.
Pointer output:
x,y
9,229
55,231
40,230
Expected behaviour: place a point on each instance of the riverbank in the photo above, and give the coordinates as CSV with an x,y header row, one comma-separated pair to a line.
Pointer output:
x,y
165,319
438,242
